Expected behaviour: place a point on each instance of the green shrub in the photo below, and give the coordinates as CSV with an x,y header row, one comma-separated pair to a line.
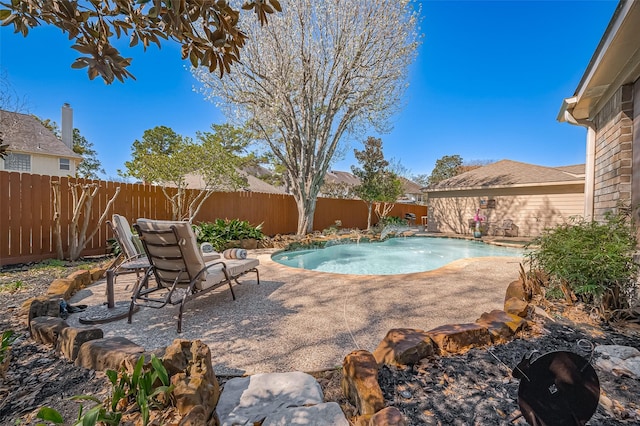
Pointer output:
x,y
147,388
221,231
590,261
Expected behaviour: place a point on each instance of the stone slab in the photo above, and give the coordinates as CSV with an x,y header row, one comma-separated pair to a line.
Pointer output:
x,y
325,414
455,338
403,346
72,338
246,400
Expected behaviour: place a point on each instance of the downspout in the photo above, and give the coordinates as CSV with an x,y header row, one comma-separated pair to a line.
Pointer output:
x,y
590,170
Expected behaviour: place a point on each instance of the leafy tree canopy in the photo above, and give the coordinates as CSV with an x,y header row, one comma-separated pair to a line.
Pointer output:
x,y
378,184
173,161
207,30
446,167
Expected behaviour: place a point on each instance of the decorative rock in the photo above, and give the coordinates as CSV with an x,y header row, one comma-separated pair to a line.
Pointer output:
x,y
47,329
501,325
72,338
196,384
455,338
403,346
516,306
107,353
388,416
62,287
360,382
97,273
619,360
80,279
247,400
43,307
196,417
325,414
515,289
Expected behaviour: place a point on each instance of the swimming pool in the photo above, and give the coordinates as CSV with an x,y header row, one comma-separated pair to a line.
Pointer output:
x,y
393,256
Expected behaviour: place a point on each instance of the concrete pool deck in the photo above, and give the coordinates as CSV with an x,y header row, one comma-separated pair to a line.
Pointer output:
x,y
298,320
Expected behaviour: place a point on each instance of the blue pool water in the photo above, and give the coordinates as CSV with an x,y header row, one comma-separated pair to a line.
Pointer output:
x,y
393,256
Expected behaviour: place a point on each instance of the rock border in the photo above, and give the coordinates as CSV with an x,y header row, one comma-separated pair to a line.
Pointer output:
x,y
87,347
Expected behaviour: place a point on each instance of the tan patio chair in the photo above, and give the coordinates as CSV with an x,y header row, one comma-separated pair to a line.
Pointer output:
x,y
179,267
132,257
508,229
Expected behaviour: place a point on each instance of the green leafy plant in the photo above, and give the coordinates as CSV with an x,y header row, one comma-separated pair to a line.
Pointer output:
x,y
8,337
221,231
589,261
147,388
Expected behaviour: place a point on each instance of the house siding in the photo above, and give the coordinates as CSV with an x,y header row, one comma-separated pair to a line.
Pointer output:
x,y
635,149
532,209
613,152
49,165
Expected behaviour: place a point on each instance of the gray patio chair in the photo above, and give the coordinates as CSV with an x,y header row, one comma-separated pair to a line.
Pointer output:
x,y
508,229
132,257
179,267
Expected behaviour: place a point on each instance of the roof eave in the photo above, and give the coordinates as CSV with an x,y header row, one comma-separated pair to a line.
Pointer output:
x,y
520,185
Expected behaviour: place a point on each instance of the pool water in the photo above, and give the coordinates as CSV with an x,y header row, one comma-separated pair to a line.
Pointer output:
x,y
393,256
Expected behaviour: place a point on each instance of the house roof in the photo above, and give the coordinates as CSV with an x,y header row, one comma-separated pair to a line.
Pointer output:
x,y
508,173
24,133
615,62
253,184
336,176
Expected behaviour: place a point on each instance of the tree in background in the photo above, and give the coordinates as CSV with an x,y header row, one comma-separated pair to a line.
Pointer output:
x,y
9,101
90,166
320,70
207,31
236,141
446,167
378,185
167,159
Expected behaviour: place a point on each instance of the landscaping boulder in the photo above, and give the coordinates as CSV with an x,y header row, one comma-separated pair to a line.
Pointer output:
x,y
403,346
195,384
325,414
42,307
71,338
456,338
501,325
61,287
515,289
97,273
516,306
80,279
360,382
106,354
619,360
47,329
388,416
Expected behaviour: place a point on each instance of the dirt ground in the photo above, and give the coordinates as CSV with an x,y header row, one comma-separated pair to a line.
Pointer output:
x,y
475,388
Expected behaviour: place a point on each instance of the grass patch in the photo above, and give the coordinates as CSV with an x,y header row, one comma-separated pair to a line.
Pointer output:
x,y
11,287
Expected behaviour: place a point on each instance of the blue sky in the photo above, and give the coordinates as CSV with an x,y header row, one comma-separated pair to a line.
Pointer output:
x,y
487,84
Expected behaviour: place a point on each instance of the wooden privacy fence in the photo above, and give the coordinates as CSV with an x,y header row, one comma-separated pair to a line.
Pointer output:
x,y
26,213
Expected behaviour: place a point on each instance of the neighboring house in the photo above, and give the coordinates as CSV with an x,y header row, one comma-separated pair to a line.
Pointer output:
x,y
253,184
342,181
607,103
534,197
35,149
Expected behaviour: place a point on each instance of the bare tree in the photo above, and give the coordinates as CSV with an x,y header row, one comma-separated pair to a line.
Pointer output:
x,y
321,70
12,102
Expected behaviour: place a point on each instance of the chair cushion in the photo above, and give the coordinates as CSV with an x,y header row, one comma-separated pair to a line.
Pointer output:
x,y
123,234
235,253
235,267
192,259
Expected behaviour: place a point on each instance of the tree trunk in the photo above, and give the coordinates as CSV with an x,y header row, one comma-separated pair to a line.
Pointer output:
x,y
369,216
306,211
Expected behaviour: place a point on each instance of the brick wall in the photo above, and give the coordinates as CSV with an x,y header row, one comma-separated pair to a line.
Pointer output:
x,y
613,156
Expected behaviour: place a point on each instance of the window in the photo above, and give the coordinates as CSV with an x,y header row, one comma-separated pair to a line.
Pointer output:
x,y
20,162
64,164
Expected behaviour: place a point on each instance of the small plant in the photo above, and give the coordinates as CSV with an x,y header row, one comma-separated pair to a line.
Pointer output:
x,y
589,261
11,287
221,231
8,337
148,389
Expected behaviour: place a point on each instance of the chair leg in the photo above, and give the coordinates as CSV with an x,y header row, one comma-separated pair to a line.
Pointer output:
x,y
231,288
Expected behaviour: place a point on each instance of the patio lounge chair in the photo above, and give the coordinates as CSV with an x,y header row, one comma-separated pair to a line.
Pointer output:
x,y
179,267
132,257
